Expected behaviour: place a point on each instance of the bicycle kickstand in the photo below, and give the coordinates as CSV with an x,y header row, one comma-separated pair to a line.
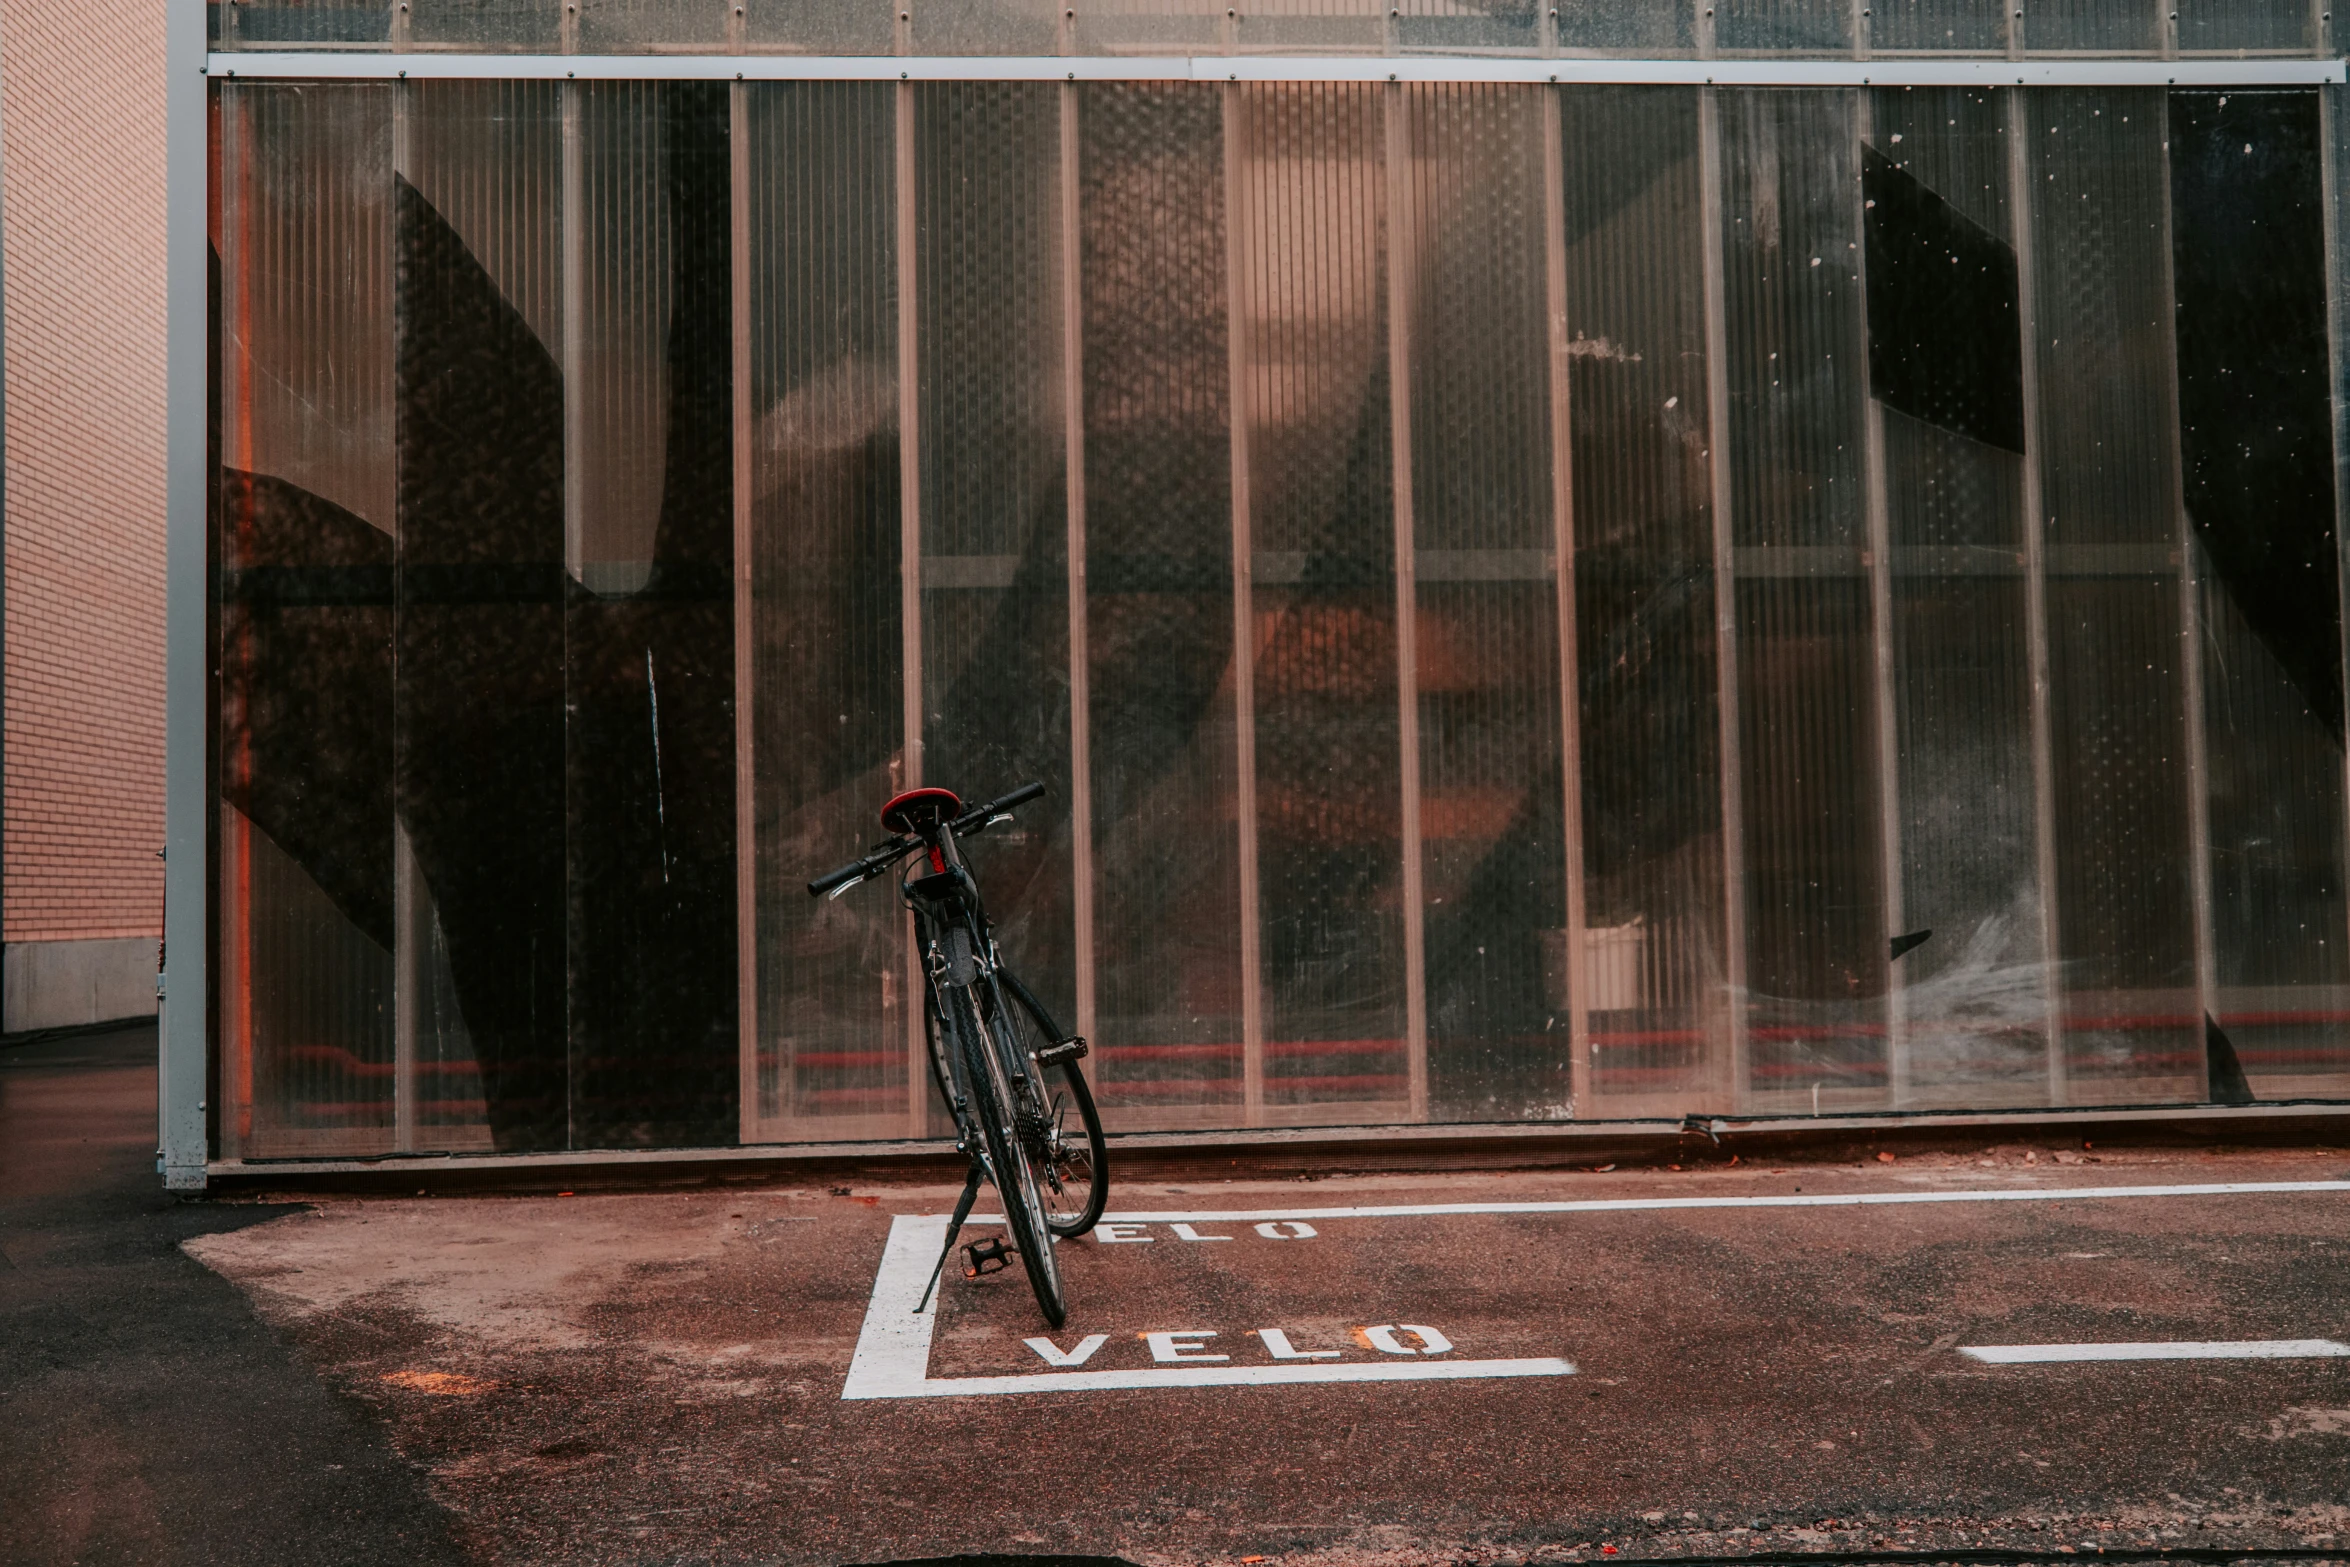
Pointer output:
x,y
954,1228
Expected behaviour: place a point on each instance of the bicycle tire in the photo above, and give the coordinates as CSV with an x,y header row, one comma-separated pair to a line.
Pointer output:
x,y
1077,1177
1007,1153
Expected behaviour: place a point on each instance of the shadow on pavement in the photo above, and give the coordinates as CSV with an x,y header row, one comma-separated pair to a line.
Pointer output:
x,y
145,1414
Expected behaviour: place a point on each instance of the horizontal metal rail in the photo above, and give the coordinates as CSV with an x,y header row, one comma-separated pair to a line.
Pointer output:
x,y
2054,71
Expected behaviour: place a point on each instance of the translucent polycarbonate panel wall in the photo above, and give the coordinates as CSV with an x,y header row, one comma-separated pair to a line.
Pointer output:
x,y
2257,454
649,661
1527,603
518,25
994,681
303,519
1939,26
1971,1005
496,775
1638,402
827,643
479,657
1168,1020
2125,784
1474,282
1637,28
1311,335
1803,624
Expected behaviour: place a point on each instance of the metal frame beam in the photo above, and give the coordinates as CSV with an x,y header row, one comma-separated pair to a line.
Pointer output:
x,y
180,1092
1904,71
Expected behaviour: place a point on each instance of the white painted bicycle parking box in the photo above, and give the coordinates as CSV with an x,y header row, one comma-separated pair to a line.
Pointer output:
x,y
1208,1276
894,1349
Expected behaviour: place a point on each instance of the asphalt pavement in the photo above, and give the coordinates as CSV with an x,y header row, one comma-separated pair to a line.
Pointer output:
x,y
2020,1352
146,1414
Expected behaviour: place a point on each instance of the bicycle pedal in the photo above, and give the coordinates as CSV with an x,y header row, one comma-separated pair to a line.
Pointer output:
x,y
987,1256
1074,1048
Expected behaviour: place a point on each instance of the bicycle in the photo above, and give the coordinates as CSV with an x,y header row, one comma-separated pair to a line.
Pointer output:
x,y
1008,1074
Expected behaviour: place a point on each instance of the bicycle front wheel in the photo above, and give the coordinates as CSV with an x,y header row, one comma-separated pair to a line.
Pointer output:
x,y
993,1106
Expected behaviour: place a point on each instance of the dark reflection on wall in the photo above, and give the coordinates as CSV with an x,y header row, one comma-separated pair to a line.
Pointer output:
x,y
2255,411
1493,791
1816,937
995,520
2255,415
1945,344
827,677
306,616
649,772
1322,479
1644,595
480,658
1159,598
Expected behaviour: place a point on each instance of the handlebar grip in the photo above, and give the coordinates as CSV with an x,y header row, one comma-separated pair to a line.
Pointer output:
x,y
847,873
977,818
857,870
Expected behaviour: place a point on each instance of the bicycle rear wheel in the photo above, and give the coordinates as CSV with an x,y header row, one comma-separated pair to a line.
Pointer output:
x,y
993,1106
1066,1146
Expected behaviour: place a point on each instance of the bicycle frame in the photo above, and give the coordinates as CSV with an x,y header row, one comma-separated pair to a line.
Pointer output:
x,y
952,937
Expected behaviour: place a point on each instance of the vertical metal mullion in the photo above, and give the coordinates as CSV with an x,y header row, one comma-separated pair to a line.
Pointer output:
x,y
910,576
1080,642
746,816
574,219
1717,374
2329,110
1562,522
405,956
2190,645
230,881
2021,195
183,1064
1402,236
1880,567
572,216
1238,346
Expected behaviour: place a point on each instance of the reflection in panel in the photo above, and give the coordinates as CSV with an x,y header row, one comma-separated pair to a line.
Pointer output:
x,y
1158,578
1651,963
2125,915
1814,902
1945,366
994,678
304,522
1312,301
649,774
478,698
1486,657
2257,449
827,653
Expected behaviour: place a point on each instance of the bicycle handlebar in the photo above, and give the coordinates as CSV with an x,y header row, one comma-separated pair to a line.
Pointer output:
x,y
857,870
975,820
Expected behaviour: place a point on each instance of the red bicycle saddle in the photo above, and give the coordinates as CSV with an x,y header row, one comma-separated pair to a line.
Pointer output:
x,y
905,810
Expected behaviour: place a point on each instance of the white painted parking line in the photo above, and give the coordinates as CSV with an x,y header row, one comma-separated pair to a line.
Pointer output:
x,y
893,1348
1662,1204
2221,1349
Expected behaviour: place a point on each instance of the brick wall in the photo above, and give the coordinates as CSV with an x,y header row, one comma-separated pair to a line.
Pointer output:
x,y
81,215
